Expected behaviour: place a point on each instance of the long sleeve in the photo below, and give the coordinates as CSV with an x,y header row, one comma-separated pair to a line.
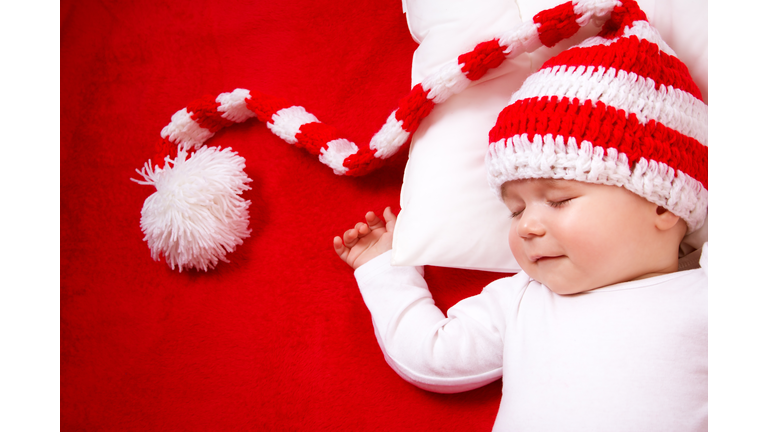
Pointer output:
x,y
443,354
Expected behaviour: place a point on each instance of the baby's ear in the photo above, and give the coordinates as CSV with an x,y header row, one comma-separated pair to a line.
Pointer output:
x,y
665,219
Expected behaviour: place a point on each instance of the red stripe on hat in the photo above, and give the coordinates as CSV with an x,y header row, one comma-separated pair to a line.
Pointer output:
x,y
164,147
485,56
556,24
621,17
364,162
632,54
413,108
315,136
205,112
264,106
606,127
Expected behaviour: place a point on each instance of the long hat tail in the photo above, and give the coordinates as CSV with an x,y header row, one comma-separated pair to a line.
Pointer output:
x,y
197,228
193,125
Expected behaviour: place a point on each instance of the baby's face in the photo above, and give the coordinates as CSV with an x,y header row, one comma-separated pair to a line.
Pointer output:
x,y
574,237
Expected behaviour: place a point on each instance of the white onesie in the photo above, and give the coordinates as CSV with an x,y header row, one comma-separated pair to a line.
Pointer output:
x,y
627,357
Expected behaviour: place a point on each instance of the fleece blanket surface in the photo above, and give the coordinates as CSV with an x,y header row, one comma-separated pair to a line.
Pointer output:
x,y
279,337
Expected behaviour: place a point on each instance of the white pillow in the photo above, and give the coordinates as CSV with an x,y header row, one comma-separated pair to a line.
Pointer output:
x,y
449,216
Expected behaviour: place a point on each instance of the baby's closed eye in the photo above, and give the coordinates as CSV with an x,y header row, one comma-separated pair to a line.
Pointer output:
x,y
559,203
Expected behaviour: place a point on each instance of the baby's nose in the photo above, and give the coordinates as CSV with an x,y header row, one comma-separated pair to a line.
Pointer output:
x,y
530,224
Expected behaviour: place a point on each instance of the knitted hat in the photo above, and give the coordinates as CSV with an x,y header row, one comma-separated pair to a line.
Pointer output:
x,y
618,109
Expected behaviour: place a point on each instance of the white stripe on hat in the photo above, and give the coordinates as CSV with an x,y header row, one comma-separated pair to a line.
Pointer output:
x,y
446,82
672,107
641,29
389,138
287,122
524,38
597,9
232,106
334,155
185,131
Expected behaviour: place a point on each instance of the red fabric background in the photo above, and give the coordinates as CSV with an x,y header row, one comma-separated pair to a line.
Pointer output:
x,y
278,339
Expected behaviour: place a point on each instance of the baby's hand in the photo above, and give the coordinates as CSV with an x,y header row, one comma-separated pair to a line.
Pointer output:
x,y
366,240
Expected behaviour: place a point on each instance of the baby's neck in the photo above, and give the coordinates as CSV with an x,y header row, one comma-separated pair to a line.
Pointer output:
x,y
671,267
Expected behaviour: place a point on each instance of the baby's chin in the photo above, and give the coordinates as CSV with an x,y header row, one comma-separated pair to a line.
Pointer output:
x,y
564,277
556,275
564,285
568,289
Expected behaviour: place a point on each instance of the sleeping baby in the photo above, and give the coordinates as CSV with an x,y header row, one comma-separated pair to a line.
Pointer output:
x,y
601,159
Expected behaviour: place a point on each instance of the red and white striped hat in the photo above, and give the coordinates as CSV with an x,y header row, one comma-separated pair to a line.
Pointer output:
x,y
618,109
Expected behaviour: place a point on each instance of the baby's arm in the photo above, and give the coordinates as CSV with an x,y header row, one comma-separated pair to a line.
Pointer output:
x,y
434,352
366,240
445,354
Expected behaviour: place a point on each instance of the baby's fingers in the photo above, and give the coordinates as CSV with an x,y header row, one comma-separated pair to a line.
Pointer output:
x,y
350,237
373,221
362,229
390,218
338,246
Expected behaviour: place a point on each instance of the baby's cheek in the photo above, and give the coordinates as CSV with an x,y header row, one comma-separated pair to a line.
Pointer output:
x,y
515,244
600,250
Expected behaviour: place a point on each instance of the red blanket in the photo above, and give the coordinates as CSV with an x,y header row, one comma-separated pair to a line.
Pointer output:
x,y
279,338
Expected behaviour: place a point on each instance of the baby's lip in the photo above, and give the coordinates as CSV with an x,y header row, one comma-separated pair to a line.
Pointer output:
x,y
538,258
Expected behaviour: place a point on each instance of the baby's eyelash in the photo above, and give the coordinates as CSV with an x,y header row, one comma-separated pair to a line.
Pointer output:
x,y
558,203
554,204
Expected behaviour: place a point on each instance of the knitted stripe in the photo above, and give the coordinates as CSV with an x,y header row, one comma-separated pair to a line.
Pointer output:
x,y
413,108
234,107
622,16
164,148
286,122
641,29
632,55
335,153
263,105
555,156
315,136
446,82
563,21
485,56
362,162
185,131
672,107
388,140
205,112
603,126
594,9
556,24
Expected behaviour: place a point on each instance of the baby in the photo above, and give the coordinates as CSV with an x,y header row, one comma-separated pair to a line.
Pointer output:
x,y
601,159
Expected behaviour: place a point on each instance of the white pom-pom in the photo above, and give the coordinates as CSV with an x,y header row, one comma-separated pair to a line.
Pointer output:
x,y
197,215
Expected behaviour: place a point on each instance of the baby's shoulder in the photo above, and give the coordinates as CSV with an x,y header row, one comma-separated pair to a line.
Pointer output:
x,y
510,286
